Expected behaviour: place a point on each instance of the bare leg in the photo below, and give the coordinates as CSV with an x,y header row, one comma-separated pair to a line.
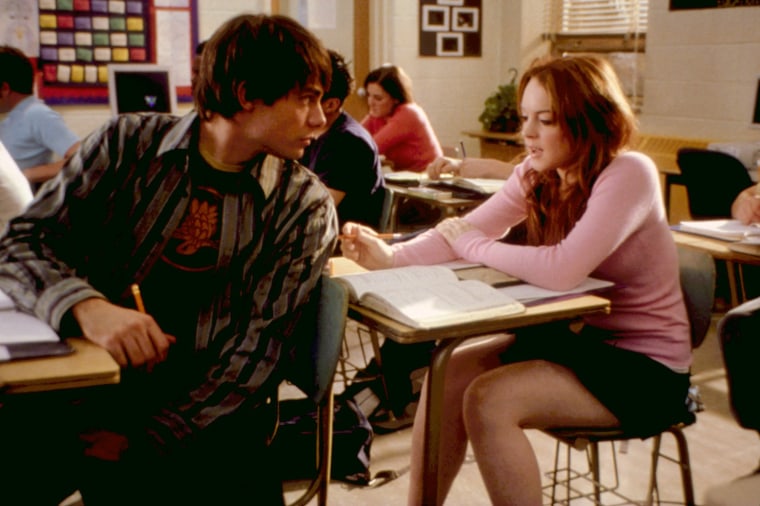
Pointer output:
x,y
466,363
501,403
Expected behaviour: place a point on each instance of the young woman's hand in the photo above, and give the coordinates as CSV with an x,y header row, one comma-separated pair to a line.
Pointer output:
x,y
361,244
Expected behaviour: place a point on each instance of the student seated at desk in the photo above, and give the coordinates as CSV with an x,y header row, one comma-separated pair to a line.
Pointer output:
x,y
32,132
400,127
345,156
227,237
591,208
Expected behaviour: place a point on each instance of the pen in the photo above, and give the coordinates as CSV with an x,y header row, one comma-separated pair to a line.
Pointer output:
x,y
138,297
461,149
379,236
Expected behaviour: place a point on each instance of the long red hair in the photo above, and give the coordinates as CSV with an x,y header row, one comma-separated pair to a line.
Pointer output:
x,y
596,118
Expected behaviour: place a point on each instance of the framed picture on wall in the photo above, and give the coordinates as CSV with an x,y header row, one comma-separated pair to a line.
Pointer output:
x,y
435,19
450,28
449,44
464,19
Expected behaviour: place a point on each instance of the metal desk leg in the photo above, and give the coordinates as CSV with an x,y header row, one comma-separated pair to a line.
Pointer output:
x,y
433,408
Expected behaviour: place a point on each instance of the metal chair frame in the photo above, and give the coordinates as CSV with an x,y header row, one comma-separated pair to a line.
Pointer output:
x,y
697,270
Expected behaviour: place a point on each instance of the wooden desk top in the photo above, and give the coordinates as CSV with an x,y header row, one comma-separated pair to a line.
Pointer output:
x,y
447,202
89,365
714,247
566,309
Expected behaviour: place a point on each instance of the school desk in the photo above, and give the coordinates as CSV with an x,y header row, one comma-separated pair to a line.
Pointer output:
x,y
720,250
89,365
449,338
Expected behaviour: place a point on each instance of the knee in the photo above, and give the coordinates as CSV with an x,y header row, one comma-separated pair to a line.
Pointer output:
x,y
480,405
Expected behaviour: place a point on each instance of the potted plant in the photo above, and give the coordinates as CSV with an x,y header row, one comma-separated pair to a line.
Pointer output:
x,y
500,113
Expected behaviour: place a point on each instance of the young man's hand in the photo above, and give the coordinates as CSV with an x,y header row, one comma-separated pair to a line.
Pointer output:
x,y
132,338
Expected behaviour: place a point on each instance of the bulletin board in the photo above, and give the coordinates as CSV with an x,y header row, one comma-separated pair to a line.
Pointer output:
x,y
73,41
450,27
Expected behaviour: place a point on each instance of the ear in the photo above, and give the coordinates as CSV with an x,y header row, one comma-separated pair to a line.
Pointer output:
x,y
246,104
331,105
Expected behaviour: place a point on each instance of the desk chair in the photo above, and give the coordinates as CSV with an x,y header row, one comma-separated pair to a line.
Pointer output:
x,y
738,333
697,273
713,179
315,375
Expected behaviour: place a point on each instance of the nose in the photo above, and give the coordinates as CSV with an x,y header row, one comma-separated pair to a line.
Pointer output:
x,y
528,127
316,117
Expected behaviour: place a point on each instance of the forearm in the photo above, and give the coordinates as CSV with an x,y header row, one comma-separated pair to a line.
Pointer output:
x,y
41,173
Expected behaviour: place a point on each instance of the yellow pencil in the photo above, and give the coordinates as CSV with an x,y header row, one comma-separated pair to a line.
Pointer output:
x,y
379,236
138,298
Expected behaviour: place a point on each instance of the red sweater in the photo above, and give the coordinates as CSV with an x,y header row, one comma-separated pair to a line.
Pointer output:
x,y
406,137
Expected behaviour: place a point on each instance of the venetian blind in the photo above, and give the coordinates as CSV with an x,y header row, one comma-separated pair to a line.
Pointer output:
x,y
597,17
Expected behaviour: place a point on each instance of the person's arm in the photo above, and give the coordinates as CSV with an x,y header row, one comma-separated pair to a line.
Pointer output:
x,y
487,168
746,206
42,173
622,198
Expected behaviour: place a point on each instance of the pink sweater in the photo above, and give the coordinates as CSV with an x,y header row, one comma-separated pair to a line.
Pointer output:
x,y
406,137
622,237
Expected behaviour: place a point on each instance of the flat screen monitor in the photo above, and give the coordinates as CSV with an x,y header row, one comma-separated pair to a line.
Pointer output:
x,y
141,88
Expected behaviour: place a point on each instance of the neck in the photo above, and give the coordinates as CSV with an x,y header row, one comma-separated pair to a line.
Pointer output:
x,y
220,143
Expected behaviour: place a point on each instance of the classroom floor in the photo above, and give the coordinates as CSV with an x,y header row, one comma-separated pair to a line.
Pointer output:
x,y
720,450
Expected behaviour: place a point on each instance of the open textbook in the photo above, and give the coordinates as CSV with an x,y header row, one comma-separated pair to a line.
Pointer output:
x,y
25,336
429,296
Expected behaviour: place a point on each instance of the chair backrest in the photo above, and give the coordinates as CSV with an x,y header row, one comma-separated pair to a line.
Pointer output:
x,y
697,273
739,334
713,179
386,215
323,332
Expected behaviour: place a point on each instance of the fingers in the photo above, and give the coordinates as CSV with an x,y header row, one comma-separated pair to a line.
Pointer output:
x,y
442,165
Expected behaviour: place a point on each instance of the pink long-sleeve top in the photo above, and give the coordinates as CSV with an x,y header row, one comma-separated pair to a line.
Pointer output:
x,y
622,237
406,137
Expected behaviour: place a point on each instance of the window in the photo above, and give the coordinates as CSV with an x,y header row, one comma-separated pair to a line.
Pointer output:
x,y
614,28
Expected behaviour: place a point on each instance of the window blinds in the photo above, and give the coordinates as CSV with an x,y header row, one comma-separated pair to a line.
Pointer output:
x,y
597,17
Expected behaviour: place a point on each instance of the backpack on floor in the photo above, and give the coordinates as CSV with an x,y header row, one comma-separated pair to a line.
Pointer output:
x,y
295,442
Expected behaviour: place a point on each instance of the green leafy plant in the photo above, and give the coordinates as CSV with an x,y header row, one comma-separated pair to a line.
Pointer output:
x,y
500,113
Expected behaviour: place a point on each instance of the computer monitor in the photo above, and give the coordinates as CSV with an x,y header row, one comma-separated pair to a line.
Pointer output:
x,y
141,88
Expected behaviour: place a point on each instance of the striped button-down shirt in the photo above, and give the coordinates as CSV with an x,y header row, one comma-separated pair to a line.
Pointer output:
x,y
104,221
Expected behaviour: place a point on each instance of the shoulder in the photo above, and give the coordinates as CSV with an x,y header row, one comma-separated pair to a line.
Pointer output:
x,y
409,110
347,128
632,166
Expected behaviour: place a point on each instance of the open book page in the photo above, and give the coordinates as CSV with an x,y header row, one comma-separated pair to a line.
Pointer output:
x,y
727,230
528,293
428,296
430,306
399,277
480,184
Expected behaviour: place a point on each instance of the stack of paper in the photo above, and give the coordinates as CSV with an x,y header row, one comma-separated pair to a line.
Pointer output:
x,y
727,230
25,336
